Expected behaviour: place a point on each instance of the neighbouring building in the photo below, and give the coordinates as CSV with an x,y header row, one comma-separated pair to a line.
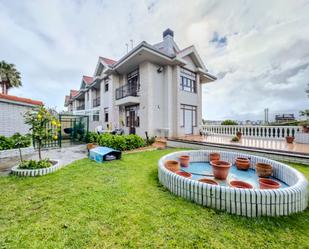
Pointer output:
x,y
281,118
153,88
12,110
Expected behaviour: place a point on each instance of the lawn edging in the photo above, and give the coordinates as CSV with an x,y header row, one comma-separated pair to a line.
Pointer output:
x,y
36,172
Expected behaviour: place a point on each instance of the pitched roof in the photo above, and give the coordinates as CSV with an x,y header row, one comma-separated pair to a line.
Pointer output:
x,y
108,61
20,99
73,93
87,79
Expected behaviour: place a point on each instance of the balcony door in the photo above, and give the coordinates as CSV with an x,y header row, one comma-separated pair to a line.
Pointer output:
x,y
133,82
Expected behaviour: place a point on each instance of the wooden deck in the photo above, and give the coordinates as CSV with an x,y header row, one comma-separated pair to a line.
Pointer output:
x,y
245,142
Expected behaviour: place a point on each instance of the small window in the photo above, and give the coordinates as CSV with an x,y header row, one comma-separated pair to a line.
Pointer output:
x,y
96,116
105,114
106,87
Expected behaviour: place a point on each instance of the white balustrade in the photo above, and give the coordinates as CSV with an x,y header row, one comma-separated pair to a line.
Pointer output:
x,y
254,131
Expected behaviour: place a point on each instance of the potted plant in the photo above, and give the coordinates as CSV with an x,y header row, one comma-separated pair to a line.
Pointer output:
x,y
289,139
235,139
45,128
220,169
184,160
240,184
238,134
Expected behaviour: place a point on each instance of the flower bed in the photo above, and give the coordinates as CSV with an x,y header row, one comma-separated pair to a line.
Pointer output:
x,y
36,172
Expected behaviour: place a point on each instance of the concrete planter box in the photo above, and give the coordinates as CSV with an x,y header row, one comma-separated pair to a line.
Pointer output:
x,y
36,172
15,152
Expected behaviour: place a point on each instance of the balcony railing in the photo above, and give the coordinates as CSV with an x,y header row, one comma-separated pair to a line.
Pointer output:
x,y
96,102
81,107
255,131
127,90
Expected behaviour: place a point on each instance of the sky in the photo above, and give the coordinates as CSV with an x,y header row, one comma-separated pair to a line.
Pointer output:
x,y
259,50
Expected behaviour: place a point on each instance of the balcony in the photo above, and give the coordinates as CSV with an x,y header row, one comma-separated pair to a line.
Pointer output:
x,y
96,102
81,107
127,94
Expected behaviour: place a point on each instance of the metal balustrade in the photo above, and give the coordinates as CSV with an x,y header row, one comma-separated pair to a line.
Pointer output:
x,y
256,131
127,90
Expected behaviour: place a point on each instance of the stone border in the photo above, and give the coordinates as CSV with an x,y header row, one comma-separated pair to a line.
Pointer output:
x,y
15,152
36,172
244,202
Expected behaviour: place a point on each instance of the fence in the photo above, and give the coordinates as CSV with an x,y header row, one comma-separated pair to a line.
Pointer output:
x,y
273,132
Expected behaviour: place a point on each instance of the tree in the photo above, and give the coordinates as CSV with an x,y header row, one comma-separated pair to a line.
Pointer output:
x,y
229,122
9,77
304,113
44,126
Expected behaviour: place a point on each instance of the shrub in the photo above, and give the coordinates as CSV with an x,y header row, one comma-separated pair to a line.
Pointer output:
x,y
92,137
15,141
121,142
33,164
235,139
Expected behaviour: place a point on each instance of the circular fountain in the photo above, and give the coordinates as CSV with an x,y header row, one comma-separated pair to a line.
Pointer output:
x,y
241,192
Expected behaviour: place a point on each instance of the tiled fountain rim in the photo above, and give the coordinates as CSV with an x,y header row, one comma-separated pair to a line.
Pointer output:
x,y
262,202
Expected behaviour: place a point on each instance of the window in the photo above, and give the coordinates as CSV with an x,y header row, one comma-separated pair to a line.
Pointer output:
x,y
133,80
188,81
132,116
96,116
106,87
105,114
191,109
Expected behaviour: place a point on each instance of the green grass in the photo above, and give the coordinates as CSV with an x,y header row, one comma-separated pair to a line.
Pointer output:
x,y
121,204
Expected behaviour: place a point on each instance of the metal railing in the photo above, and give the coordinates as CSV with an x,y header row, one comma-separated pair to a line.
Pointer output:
x,y
81,107
96,102
127,90
256,131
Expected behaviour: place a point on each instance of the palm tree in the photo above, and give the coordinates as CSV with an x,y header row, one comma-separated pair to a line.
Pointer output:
x,y
9,77
304,113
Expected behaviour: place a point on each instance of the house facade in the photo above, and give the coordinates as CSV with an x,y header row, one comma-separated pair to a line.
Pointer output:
x,y
154,88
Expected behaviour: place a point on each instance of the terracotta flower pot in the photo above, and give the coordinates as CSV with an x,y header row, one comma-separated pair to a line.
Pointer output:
x,y
220,169
238,134
172,165
184,161
289,139
214,156
240,184
208,181
91,146
268,184
263,169
242,163
184,174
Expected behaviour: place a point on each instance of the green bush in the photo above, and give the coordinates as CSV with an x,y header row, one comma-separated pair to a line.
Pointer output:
x,y
121,142
33,164
15,141
229,122
92,137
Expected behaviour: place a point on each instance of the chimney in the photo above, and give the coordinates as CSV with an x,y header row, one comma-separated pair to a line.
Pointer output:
x,y
168,33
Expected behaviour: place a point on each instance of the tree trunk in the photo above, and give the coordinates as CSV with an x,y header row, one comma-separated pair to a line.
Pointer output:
x,y
4,87
21,157
39,148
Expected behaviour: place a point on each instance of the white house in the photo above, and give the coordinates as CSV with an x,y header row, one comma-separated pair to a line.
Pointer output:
x,y
153,88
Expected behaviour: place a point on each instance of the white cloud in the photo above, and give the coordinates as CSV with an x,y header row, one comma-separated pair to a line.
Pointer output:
x,y
264,63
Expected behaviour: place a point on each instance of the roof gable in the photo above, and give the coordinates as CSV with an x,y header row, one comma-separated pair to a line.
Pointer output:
x,y
194,56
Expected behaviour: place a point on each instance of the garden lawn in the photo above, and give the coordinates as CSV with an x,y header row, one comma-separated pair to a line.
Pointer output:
x,y
121,204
